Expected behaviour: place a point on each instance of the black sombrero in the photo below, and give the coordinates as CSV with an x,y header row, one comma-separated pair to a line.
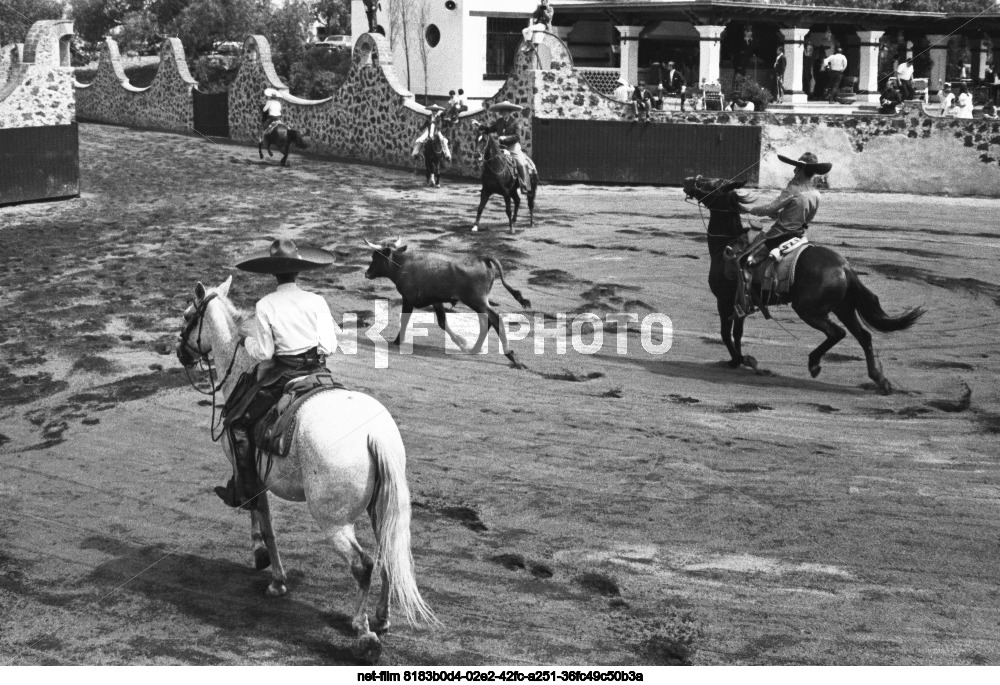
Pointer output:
x,y
809,162
285,257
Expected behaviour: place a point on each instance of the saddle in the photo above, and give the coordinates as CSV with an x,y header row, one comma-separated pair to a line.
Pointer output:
x,y
273,125
777,273
272,432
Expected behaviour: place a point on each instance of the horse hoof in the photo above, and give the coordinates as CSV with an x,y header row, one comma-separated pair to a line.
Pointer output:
x,y
750,361
381,625
885,387
814,369
733,363
475,229
261,559
276,589
368,649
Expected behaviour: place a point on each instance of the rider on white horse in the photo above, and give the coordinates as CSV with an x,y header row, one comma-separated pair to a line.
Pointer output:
x,y
270,112
292,335
508,134
431,127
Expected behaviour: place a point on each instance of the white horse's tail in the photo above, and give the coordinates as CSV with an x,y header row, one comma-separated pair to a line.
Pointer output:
x,y
392,516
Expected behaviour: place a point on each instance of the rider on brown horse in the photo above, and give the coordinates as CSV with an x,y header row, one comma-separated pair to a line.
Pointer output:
x,y
291,336
508,133
270,113
792,211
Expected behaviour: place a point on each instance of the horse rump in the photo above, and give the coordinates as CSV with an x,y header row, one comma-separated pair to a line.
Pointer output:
x,y
867,304
297,138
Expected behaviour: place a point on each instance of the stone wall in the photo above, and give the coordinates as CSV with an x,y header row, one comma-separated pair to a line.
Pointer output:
x,y
36,90
165,104
372,117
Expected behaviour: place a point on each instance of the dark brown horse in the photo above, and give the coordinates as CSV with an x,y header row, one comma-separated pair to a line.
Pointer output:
x,y
433,153
500,177
282,138
824,284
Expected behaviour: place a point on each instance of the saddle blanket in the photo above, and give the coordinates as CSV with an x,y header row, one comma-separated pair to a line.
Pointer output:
x,y
778,276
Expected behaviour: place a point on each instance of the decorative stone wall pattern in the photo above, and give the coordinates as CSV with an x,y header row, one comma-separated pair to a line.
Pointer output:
x,y
165,104
36,90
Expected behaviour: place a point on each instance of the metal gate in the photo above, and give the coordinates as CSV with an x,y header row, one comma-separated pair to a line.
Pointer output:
x,y
211,113
39,163
643,153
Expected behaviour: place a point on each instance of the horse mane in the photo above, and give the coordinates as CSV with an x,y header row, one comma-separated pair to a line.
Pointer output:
x,y
241,320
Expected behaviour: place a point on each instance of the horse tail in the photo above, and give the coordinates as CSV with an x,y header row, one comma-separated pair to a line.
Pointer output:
x,y
297,138
391,504
867,304
490,261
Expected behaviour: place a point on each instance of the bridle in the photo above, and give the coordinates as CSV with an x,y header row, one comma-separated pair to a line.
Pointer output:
x,y
743,230
491,161
197,321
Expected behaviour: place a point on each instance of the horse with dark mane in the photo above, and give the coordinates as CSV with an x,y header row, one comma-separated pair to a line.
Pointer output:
x,y
500,177
282,138
433,153
824,283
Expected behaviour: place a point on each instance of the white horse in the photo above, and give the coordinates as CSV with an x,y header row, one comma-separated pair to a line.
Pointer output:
x,y
346,457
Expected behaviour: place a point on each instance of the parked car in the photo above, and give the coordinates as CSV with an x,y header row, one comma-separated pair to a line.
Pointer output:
x,y
229,47
333,43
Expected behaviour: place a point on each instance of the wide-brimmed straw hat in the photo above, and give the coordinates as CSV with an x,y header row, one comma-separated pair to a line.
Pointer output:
x,y
270,93
285,257
435,108
809,162
505,106
621,80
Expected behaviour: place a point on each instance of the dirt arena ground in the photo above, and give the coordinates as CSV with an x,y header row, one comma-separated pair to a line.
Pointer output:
x,y
595,509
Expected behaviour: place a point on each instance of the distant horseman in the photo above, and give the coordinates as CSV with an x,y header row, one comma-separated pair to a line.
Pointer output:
x,y
270,113
508,133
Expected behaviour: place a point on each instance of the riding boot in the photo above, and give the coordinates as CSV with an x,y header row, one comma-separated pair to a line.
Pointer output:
x,y
243,488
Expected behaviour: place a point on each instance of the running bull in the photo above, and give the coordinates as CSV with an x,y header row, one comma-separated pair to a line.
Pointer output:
x,y
426,279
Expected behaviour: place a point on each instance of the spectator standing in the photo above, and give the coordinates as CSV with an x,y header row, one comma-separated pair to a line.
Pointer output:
x,y
780,62
674,84
622,92
834,66
541,20
371,12
947,101
904,73
819,75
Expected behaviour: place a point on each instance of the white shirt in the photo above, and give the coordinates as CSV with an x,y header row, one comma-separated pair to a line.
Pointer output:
x,y
836,62
964,106
947,102
291,321
623,93
904,71
272,108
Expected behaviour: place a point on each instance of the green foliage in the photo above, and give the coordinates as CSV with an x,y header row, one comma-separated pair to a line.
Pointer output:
x,y
17,16
214,73
287,31
750,91
320,73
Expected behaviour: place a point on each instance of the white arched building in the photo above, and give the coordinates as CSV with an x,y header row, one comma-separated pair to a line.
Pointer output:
x,y
443,45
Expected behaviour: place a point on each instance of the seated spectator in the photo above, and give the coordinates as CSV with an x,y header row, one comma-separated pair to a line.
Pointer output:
x,y
642,101
740,105
963,103
990,110
890,100
622,92
947,101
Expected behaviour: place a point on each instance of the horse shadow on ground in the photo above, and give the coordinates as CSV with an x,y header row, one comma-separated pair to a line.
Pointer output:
x,y
719,373
224,594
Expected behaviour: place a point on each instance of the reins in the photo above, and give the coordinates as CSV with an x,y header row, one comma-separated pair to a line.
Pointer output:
x,y
203,358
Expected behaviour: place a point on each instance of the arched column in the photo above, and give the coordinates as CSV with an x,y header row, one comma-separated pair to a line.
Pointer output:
x,y
795,65
630,52
710,52
868,90
939,62
985,49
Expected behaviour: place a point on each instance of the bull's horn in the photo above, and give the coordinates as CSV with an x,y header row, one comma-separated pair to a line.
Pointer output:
x,y
373,245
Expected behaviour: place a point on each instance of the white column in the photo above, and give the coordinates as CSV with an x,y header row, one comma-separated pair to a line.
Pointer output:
x,y
939,62
630,53
985,53
868,90
794,64
710,52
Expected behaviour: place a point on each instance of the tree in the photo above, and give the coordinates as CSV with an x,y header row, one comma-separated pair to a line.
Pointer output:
x,y
17,16
335,15
287,29
205,22
401,21
422,14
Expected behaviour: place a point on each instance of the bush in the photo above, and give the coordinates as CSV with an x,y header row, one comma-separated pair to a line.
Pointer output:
x,y
750,91
215,73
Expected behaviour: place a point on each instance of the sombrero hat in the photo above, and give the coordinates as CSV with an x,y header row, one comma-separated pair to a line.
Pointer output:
x,y
435,108
505,106
621,80
809,162
285,257
270,93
